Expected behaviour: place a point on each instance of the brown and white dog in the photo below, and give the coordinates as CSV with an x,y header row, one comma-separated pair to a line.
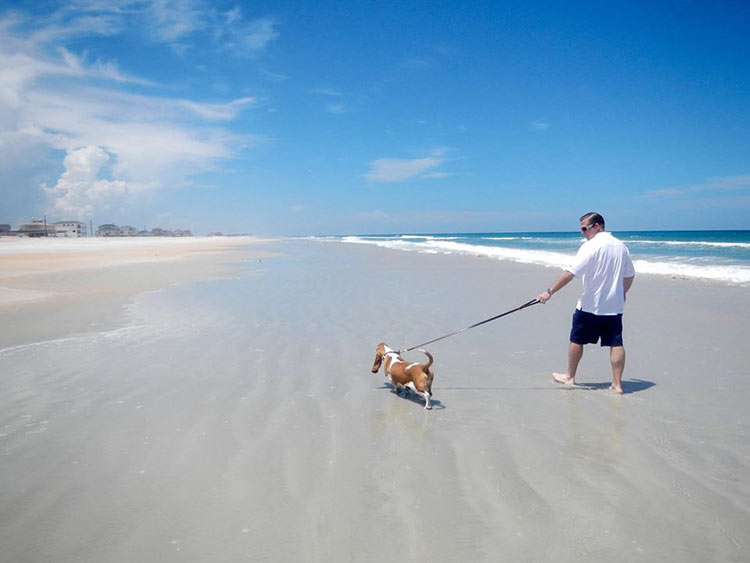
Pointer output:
x,y
405,375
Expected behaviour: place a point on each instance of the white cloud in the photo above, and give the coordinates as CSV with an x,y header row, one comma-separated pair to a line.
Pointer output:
x,y
218,112
259,33
397,170
48,102
80,191
77,66
182,24
244,37
540,124
714,186
337,109
173,20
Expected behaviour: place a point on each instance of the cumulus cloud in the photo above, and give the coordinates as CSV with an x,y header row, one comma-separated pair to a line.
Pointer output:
x,y
81,190
397,170
55,102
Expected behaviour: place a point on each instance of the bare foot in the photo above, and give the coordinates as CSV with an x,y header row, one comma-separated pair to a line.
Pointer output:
x,y
563,378
614,389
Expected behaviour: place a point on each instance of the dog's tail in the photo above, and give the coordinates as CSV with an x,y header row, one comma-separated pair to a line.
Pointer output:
x,y
429,356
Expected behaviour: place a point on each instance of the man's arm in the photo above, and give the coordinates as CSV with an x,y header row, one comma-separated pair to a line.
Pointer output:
x,y
626,283
562,280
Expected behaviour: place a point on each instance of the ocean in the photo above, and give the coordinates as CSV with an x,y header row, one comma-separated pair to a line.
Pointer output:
x,y
721,256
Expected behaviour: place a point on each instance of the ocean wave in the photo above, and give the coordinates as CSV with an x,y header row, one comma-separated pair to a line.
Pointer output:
x,y
689,243
734,274
506,238
424,237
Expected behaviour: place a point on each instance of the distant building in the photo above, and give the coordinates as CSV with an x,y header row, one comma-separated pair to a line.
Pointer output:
x,y
70,229
5,230
34,228
111,230
108,230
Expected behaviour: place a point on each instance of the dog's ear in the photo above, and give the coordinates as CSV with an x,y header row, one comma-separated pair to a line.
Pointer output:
x,y
378,359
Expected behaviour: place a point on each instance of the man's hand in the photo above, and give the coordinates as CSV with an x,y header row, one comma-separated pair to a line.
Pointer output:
x,y
544,297
562,280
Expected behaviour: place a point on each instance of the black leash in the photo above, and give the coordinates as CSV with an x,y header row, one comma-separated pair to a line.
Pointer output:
x,y
529,304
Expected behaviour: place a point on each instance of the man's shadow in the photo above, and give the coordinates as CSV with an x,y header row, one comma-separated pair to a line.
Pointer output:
x,y
628,386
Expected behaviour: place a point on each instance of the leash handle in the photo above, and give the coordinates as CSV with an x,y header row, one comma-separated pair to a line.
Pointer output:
x,y
527,304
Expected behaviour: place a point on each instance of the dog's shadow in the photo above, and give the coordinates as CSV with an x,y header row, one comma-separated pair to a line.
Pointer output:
x,y
409,395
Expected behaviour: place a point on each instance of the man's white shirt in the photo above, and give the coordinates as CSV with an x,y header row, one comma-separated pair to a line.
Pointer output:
x,y
602,263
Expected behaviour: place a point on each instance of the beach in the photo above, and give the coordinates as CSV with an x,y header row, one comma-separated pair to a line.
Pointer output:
x,y
214,402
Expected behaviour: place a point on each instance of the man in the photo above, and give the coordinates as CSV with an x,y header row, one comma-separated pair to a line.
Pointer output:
x,y
604,265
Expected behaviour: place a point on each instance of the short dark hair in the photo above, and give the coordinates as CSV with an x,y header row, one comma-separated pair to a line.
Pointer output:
x,y
593,218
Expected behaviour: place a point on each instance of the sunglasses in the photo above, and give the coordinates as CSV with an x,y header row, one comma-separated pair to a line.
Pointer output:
x,y
584,229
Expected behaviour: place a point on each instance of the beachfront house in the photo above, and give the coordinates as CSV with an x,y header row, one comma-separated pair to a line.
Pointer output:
x,y
70,229
34,228
5,230
111,230
108,230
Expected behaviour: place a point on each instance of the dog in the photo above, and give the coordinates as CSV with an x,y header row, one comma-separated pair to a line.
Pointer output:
x,y
404,375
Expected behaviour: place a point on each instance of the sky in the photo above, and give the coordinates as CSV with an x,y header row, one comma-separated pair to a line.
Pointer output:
x,y
323,118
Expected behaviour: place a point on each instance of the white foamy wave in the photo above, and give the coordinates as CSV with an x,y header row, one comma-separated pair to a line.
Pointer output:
x,y
540,257
720,273
440,246
692,243
426,237
731,274
505,238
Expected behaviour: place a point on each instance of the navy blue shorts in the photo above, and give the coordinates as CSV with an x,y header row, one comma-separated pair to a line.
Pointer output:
x,y
588,328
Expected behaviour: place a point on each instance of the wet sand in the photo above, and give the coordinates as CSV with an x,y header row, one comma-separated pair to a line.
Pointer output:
x,y
236,419
54,287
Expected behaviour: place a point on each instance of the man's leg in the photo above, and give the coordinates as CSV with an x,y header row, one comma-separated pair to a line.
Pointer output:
x,y
575,353
617,359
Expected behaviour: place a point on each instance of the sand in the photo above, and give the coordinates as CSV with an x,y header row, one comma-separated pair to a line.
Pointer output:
x,y
53,287
236,418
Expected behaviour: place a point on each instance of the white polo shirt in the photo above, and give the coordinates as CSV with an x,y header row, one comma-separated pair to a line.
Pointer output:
x,y
602,263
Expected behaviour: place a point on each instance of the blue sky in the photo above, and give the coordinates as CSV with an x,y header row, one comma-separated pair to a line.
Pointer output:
x,y
302,118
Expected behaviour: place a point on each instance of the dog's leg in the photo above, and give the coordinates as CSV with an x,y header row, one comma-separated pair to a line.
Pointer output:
x,y
427,404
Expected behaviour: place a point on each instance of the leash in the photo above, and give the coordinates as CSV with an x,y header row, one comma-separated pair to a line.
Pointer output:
x,y
528,304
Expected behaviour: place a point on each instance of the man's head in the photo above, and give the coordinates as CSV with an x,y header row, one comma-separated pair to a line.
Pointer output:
x,y
591,224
